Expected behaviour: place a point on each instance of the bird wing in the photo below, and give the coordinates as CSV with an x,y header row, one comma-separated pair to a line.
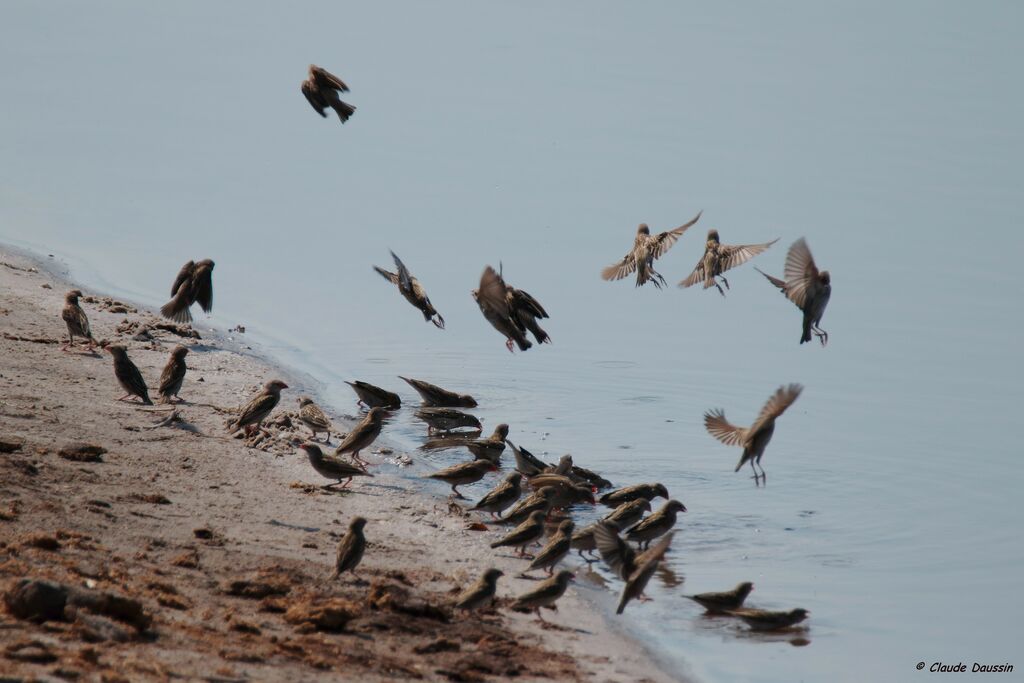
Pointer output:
x,y
184,274
800,272
262,403
203,291
76,317
663,241
627,265
776,405
696,276
387,275
325,79
521,300
355,436
732,255
781,284
314,98
494,494
405,278
654,554
493,293
172,373
614,550
722,429
311,413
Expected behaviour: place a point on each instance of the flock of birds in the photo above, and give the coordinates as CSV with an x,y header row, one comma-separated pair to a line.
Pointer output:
x,y
632,545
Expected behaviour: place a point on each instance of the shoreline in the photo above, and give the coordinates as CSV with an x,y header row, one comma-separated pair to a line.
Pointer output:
x,y
297,523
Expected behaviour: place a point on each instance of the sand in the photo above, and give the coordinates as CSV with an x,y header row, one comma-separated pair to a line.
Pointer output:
x,y
226,545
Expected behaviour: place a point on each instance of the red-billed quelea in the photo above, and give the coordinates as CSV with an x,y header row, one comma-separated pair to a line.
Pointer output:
x,y
374,397
193,284
502,496
723,601
447,419
646,248
321,90
628,493
332,468
546,594
412,290
657,524
434,395
764,620
313,417
492,447
362,435
805,286
527,533
350,549
754,439
542,499
128,375
173,375
259,407
638,579
556,549
481,593
629,513
76,320
492,298
464,473
719,258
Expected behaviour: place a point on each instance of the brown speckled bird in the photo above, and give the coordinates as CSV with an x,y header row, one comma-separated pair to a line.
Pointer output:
x,y
646,565
412,290
657,524
719,258
527,533
567,492
258,408
502,496
492,298
351,549
542,499
546,594
805,286
629,513
362,435
332,468
646,249
194,284
434,395
556,549
763,620
173,375
76,320
374,397
481,593
724,601
447,419
754,438
464,473
313,417
128,375
525,310
321,89
492,447
628,493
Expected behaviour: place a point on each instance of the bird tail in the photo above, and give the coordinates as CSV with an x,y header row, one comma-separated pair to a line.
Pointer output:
x,y
344,110
622,604
806,337
177,310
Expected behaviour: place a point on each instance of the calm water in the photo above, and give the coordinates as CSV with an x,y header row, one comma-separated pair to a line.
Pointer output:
x,y
539,136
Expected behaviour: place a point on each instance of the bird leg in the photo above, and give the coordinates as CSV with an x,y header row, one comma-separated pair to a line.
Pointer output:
x,y
508,345
124,397
539,615
456,492
822,335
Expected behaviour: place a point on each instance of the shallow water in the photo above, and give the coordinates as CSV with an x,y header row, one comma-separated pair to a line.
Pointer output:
x,y
539,137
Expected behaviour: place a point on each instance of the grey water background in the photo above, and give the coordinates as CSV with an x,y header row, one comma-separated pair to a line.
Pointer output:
x,y
137,136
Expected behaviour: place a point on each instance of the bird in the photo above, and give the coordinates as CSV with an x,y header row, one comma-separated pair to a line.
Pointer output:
x,y
660,522
724,601
546,594
492,298
193,284
447,419
258,407
412,290
527,463
542,499
764,620
492,447
646,565
719,258
434,395
583,541
525,310
362,435
313,417
644,252
629,513
128,375
350,548
567,491
374,397
332,468
754,438
528,532
76,320
464,473
480,593
556,549
628,493
321,89
505,494
173,375
805,286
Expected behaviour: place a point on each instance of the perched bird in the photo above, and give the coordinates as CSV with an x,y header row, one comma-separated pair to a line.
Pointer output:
x,y
259,407
659,523
314,418
464,473
351,548
492,298
805,286
719,258
76,320
763,620
540,500
628,514
412,290
332,468
524,311
556,549
726,601
362,435
434,395
128,375
492,447
173,375
321,89
505,494
530,531
480,593
754,438
644,252
646,565
447,419
375,397
628,493
546,594
194,284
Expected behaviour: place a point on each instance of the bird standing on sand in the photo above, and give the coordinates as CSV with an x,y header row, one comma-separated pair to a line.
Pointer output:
x,y
447,419
321,89
628,514
719,258
806,287
556,549
332,468
128,375
173,375
724,601
194,284
374,397
313,417
530,531
492,298
645,250
76,320
434,395
351,548
492,447
542,499
480,593
362,435
258,408
546,594
661,522
464,473
764,620
646,565
501,496
624,495
754,438
412,290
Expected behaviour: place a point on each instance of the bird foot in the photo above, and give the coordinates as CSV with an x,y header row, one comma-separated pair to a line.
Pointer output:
x,y
508,345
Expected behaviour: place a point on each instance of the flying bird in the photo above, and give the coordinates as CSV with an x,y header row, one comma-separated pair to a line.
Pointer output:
x,y
805,286
493,299
193,284
321,89
644,252
76,320
412,290
719,258
639,578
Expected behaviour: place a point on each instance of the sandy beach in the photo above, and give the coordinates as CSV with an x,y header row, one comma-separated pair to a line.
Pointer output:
x,y
226,547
